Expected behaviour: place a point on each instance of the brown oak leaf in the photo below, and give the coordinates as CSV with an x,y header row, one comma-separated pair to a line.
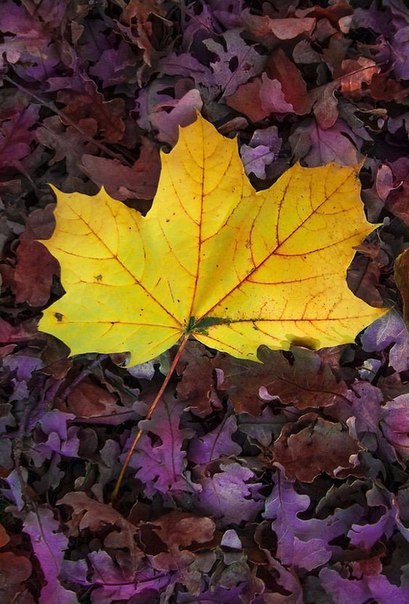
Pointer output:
x,y
313,445
300,379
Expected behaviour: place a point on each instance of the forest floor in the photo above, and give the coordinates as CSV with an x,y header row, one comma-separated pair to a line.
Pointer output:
x,y
279,483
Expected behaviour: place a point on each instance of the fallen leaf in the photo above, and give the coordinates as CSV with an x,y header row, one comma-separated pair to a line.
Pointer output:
x,y
333,13
87,399
325,105
366,589
83,101
4,538
136,19
10,334
246,101
313,445
215,444
15,137
182,113
303,382
35,268
116,66
123,182
180,532
387,89
262,150
363,279
196,385
34,272
357,72
390,329
69,144
48,545
317,146
281,68
384,181
296,541
14,571
95,516
229,74
272,96
258,268
162,458
231,495
283,29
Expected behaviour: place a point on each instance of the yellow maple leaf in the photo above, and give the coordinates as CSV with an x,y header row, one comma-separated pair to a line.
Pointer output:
x,y
213,259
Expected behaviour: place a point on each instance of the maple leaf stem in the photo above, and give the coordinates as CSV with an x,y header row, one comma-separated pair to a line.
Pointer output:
x,y
149,414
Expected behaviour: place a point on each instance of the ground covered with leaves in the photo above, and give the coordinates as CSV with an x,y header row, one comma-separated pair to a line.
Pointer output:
x,y
280,482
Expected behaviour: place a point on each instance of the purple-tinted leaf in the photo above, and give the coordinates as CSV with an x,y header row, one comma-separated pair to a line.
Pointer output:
x,y
389,329
16,480
228,12
360,591
116,66
160,458
256,159
198,24
49,545
231,496
183,113
272,97
401,48
395,424
112,583
366,535
75,571
216,443
231,540
28,48
184,65
299,542
235,65
93,39
262,151
317,147
58,437
22,366
362,406
372,18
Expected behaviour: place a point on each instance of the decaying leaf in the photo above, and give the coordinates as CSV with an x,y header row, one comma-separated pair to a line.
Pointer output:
x,y
312,445
212,259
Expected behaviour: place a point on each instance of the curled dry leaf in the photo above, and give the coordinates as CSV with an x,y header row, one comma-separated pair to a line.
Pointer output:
x,y
303,381
313,445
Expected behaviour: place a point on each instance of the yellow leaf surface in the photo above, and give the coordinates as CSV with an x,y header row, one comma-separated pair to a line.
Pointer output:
x,y
213,258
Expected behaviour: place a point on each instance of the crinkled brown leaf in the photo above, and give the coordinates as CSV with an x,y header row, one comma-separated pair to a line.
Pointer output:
x,y
313,445
300,379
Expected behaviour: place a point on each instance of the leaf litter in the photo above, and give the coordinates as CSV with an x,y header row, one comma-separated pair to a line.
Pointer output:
x,y
93,91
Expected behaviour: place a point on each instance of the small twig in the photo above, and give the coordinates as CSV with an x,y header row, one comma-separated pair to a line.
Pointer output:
x,y
149,414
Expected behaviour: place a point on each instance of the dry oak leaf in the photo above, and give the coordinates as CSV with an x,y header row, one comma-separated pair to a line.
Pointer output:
x,y
212,259
313,445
